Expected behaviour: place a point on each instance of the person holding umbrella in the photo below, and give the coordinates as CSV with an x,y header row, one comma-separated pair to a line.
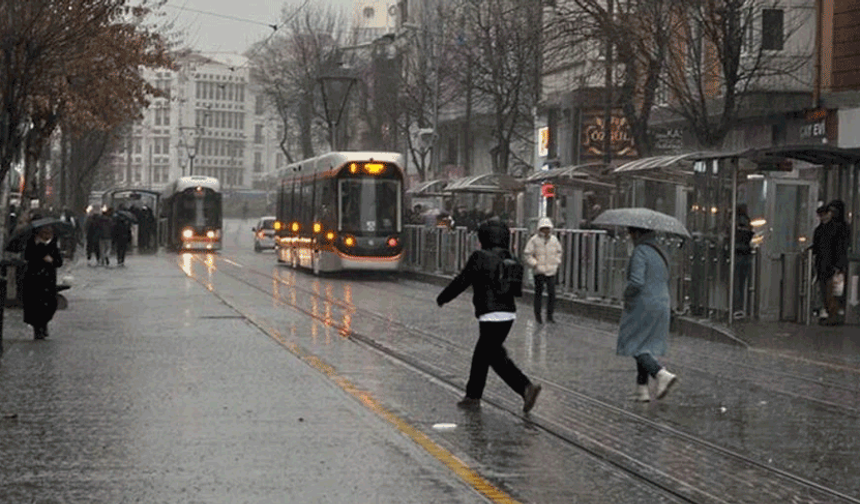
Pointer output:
x,y
40,279
644,329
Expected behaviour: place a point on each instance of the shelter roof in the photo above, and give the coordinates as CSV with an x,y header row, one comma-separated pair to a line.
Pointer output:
x,y
492,183
822,154
584,173
677,162
428,188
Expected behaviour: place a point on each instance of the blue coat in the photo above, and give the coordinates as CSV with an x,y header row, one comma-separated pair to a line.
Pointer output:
x,y
647,306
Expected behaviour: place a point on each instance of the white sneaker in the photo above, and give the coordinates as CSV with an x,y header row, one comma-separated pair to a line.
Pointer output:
x,y
665,381
642,393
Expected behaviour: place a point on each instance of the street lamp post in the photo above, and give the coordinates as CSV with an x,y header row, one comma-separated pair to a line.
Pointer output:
x,y
191,140
335,88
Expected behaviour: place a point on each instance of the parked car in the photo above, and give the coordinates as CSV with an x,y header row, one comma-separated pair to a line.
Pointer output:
x,y
264,233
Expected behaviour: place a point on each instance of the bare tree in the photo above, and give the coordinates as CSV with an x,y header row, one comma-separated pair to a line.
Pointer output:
x,y
76,60
288,67
498,61
706,57
732,49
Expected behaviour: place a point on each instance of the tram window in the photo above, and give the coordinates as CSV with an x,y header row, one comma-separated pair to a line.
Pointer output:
x,y
369,205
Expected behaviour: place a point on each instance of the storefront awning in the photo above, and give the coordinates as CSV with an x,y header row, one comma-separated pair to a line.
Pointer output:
x,y
488,183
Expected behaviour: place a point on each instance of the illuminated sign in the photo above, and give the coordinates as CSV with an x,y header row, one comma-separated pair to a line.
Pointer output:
x,y
593,133
543,141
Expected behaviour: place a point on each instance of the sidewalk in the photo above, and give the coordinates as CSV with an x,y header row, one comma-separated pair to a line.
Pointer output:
x,y
151,389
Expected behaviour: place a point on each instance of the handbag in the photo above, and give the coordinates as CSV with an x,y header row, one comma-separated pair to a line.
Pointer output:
x,y
838,284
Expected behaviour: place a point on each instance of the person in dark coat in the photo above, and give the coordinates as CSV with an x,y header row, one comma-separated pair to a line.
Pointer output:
x,y
495,312
121,238
818,256
644,328
743,259
104,233
92,237
40,280
833,264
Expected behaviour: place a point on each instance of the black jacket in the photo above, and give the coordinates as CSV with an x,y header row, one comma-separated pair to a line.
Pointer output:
x,y
478,273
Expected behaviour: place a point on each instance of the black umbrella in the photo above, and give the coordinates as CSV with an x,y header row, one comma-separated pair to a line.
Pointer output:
x,y
125,214
18,239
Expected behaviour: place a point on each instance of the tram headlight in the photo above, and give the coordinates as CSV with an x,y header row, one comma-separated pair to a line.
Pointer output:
x,y
187,233
294,227
330,236
210,234
278,225
317,227
392,241
349,241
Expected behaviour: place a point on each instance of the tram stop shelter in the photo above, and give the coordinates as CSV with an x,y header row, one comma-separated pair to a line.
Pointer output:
x,y
781,187
497,193
428,194
578,193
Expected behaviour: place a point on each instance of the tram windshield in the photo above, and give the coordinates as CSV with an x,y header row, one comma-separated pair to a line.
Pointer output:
x,y
369,206
200,210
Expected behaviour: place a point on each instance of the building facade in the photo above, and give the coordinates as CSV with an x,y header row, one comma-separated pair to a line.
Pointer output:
x,y
211,121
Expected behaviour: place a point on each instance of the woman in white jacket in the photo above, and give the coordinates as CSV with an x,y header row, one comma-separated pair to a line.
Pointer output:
x,y
543,255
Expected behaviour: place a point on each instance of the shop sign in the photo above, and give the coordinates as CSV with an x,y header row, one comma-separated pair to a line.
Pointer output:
x,y
543,141
668,141
815,124
593,133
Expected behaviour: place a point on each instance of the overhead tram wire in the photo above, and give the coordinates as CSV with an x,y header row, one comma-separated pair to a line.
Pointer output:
x,y
257,47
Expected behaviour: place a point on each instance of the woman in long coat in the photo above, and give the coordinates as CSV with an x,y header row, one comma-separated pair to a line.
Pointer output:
x,y
40,280
645,320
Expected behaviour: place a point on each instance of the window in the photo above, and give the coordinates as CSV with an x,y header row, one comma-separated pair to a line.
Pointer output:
x,y
369,12
258,162
258,133
772,35
258,105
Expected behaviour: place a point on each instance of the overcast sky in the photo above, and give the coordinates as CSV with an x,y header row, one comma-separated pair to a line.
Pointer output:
x,y
230,25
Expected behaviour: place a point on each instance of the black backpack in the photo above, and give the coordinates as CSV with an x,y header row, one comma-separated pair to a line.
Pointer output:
x,y
507,274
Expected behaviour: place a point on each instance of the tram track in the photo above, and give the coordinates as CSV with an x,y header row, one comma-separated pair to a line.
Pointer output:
x,y
586,423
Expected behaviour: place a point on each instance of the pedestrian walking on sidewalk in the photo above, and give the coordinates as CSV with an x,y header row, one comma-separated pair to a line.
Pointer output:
x,y
496,312
40,280
543,255
644,328
121,237
104,233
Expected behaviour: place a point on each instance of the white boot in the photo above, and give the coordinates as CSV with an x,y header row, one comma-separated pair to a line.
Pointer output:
x,y
665,381
642,393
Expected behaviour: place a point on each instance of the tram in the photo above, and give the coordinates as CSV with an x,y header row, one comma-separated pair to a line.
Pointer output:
x,y
341,211
190,216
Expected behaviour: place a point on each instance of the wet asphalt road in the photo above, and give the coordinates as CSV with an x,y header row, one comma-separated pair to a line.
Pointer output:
x,y
246,381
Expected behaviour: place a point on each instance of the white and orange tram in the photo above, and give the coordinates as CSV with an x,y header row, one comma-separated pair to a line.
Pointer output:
x,y
190,215
341,211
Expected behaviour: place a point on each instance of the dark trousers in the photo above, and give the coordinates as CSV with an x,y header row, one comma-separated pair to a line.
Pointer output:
x,y
121,248
488,353
743,266
540,280
646,365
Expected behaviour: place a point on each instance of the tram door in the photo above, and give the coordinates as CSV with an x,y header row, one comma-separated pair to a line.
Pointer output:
x,y
787,233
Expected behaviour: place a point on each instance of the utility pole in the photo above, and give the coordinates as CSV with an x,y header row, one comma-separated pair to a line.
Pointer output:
x,y
607,112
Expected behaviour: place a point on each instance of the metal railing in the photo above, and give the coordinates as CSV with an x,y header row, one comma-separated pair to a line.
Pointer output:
x,y
594,265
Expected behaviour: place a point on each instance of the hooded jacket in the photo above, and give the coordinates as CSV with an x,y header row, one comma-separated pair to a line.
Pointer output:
x,y
543,254
479,270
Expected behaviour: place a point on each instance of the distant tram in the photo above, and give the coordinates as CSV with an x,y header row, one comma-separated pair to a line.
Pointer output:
x,y
341,211
190,217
